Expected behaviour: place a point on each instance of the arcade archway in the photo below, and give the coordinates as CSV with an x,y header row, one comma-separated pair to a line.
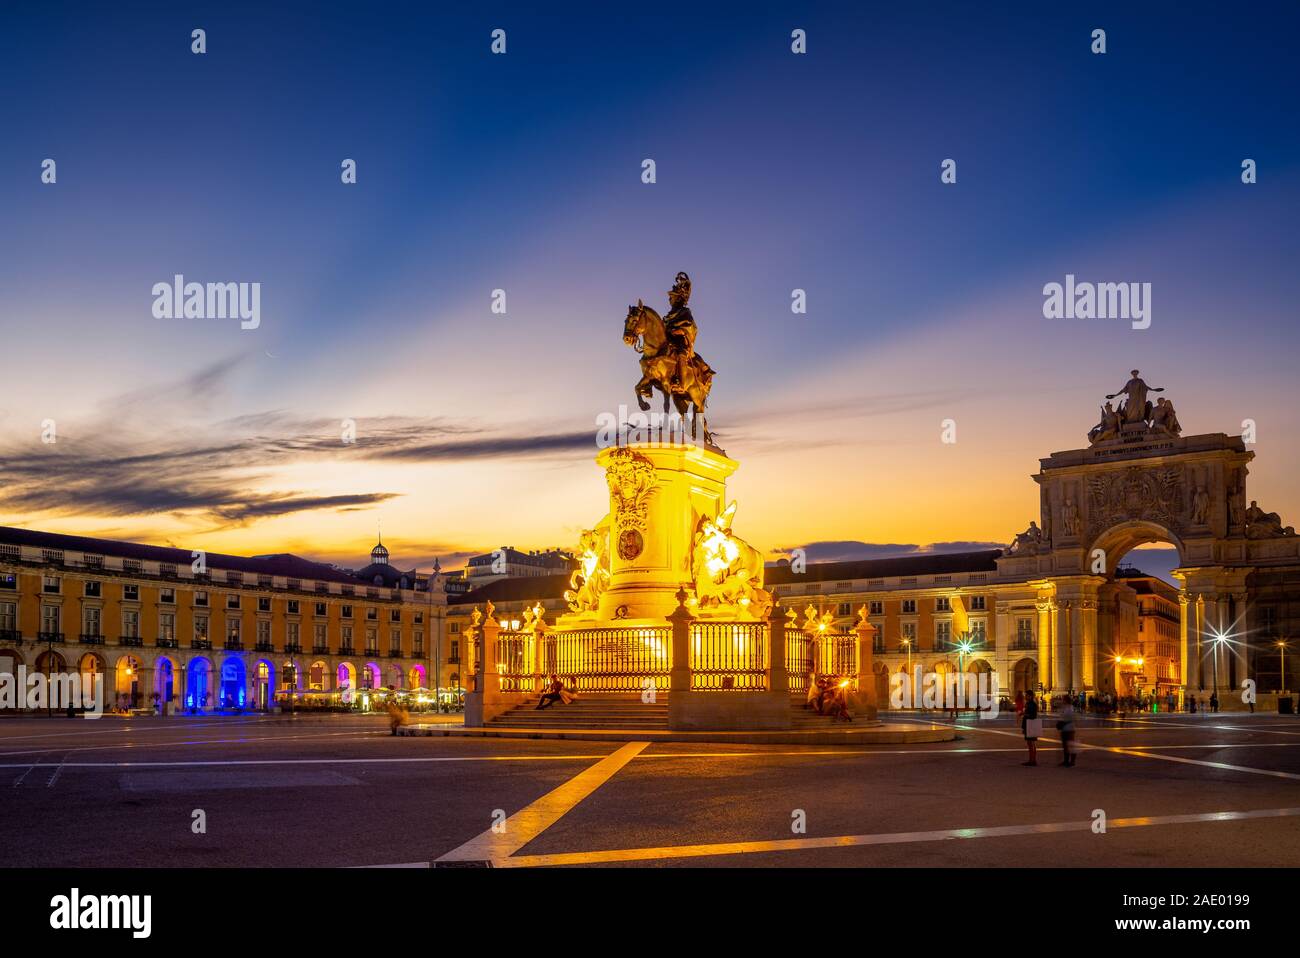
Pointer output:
x,y
233,690
199,691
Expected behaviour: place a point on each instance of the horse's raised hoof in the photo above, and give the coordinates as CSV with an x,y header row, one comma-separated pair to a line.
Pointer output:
x,y
642,403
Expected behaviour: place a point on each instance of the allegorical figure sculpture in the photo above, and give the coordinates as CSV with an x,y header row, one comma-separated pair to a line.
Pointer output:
x,y
591,577
1264,525
727,570
1135,408
668,358
1164,419
1027,542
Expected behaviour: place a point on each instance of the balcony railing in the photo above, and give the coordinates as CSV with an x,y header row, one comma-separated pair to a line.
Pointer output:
x,y
345,650
1024,645
394,653
85,639
293,648
130,641
49,636
320,650
164,643
200,643
262,647
11,635
234,645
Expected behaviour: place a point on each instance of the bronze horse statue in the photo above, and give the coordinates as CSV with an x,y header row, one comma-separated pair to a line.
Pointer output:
x,y
644,331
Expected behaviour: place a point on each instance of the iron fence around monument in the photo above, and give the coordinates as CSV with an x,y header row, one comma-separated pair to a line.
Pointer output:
x,y
728,656
825,653
516,654
608,660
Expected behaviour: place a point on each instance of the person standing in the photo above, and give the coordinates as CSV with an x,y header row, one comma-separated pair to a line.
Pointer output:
x,y
1033,727
1065,725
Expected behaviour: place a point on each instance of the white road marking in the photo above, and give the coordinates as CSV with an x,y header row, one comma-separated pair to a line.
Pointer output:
x,y
529,822
855,841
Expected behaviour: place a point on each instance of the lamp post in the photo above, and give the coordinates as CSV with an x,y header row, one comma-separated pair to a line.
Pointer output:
x,y
1281,647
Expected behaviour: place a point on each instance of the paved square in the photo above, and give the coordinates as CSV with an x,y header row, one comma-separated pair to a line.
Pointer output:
x,y
1185,790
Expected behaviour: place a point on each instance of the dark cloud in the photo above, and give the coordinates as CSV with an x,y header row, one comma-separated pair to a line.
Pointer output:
x,y
844,550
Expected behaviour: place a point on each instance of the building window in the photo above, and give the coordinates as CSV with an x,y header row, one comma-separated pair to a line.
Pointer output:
x,y
293,607
844,608
234,628
8,580
50,619
131,624
319,633
264,631
455,651
978,631
909,607
977,603
90,621
372,614
419,618
130,593
201,599
93,591
395,615
346,612
943,604
372,640
909,634
200,627
167,596
942,634
455,628
419,643
1024,633
347,639
232,602
50,584
263,604
8,617
322,609
876,607
167,626
293,633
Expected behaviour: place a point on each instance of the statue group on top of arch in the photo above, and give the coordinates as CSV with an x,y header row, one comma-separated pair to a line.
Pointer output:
x,y
1136,414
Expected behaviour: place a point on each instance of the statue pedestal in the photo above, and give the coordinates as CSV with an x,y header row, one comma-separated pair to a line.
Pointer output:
x,y
657,495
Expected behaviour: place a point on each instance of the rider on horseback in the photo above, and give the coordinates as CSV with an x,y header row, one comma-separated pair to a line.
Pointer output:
x,y
681,329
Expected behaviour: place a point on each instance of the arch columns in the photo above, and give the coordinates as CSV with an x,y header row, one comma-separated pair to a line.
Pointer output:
x,y
1213,601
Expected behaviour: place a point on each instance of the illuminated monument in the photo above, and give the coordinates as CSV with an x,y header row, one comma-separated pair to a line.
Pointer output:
x,y
667,598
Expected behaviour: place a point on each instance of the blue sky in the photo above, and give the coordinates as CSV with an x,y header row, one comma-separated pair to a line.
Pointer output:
x,y
522,172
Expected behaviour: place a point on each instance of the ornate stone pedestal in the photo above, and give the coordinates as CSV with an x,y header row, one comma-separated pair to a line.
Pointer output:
x,y
657,496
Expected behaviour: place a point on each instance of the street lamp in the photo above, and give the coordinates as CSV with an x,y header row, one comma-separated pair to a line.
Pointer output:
x,y
1282,647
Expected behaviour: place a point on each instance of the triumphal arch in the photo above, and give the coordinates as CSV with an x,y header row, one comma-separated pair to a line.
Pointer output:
x,y
1140,480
